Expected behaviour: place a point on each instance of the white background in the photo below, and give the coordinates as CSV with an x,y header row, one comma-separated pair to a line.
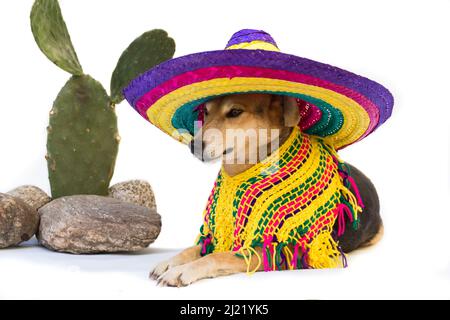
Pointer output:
x,y
401,44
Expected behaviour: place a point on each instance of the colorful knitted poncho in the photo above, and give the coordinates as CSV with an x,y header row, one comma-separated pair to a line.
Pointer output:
x,y
287,205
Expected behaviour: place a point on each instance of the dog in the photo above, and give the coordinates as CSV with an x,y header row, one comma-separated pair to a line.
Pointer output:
x,y
273,116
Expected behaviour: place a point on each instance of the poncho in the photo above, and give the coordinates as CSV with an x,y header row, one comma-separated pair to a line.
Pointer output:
x,y
286,205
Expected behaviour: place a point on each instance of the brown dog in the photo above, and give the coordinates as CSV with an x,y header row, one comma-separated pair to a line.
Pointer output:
x,y
274,117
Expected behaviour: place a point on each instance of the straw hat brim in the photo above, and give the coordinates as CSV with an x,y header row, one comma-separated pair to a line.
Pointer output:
x,y
347,107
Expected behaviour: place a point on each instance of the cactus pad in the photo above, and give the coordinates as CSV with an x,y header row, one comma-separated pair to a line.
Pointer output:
x,y
82,140
147,51
52,36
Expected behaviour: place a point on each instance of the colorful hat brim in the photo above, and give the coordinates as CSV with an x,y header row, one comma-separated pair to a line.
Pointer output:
x,y
350,106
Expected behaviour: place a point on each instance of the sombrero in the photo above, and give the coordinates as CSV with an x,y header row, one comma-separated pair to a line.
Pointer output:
x,y
336,105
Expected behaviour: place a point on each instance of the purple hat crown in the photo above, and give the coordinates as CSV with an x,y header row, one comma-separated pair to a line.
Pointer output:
x,y
249,35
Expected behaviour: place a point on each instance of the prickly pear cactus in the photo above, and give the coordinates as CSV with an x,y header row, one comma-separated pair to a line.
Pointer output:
x,y
52,36
147,51
82,140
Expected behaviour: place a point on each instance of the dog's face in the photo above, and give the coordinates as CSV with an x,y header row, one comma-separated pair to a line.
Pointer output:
x,y
239,128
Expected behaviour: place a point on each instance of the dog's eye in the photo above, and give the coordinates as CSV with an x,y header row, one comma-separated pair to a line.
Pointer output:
x,y
234,113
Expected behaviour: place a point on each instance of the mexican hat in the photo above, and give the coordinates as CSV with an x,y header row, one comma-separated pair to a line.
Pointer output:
x,y
337,105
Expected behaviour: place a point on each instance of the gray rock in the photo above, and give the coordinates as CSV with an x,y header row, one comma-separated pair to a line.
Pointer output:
x,y
92,224
31,195
18,221
135,191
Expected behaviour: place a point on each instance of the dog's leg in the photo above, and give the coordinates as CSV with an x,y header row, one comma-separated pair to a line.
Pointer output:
x,y
186,256
210,266
377,238
370,229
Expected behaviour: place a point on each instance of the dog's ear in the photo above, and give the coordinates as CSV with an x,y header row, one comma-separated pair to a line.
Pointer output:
x,y
291,112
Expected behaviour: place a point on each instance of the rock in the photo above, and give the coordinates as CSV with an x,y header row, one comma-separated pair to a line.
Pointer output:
x,y
31,195
135,191
18,221
92,224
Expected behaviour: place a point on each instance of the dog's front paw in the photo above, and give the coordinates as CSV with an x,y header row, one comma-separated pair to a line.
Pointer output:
x,y
180,276
160,269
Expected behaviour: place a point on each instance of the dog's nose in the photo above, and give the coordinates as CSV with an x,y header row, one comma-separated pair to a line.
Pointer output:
x,y
197,148
192,146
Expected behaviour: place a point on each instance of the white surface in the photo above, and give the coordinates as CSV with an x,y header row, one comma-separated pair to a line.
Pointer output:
x,y
36,273
400,44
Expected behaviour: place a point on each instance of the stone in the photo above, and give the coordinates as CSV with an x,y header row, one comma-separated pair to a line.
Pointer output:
x,y
18,221
89,224
135,191
31,195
